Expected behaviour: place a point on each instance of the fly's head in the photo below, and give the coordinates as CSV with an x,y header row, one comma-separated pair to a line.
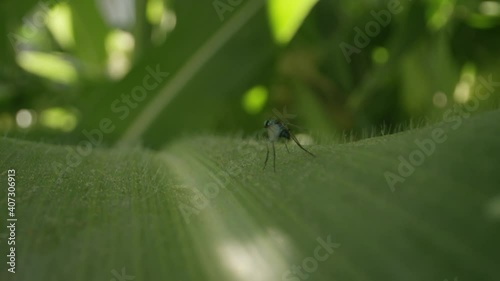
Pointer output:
x,y
270,122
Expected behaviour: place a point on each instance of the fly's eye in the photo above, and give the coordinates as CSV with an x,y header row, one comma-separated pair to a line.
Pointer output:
x,y
266,123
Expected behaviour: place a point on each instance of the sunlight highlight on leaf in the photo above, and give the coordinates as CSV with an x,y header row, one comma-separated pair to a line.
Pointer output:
x,y
287,16
154,11
259,258
119,46
50,66
60,23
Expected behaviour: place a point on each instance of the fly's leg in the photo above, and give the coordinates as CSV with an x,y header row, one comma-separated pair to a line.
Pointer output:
x,y
274,158
267,155
298,143
286,145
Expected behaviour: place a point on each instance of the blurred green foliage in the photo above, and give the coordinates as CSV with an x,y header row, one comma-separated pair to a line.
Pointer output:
x,y
64,64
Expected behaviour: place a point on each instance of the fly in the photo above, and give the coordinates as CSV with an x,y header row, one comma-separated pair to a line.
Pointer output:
x,y
276,130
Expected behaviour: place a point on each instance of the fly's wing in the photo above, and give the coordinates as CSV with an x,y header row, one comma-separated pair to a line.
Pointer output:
x,y
287,124
292,136
293,125
298,143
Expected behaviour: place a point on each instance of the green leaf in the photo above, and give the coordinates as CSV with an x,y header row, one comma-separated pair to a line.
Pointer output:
x,y
90,32
205,68
204,209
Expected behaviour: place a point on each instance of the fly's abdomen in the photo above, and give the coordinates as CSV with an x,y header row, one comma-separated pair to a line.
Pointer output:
x,y
284,132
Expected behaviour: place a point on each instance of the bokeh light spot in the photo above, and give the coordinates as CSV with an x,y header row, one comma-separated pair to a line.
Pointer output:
x,y
440,99
59,119
380,55
489,8
24,118
255,99
464,86
50,66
